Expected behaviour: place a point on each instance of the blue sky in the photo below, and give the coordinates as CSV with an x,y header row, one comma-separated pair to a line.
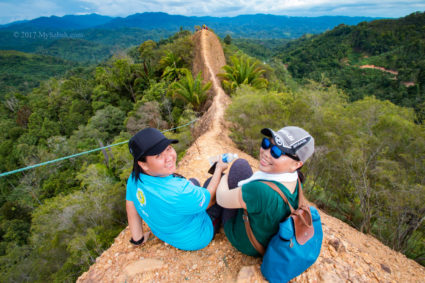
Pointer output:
x,y
14,10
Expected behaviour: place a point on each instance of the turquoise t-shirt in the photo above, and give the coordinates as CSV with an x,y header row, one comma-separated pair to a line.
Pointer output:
x,y
174,209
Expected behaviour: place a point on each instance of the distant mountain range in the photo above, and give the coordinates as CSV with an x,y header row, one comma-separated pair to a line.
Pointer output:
x,y
247,26
92,38
69,22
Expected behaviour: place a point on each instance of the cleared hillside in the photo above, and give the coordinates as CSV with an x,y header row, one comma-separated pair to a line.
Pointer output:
x,y
335,57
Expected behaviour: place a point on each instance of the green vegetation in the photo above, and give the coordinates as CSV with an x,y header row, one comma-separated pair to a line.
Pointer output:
x,y
191,90
263,49
336,56
243,70
21,72
55,220
89,46
227,39
77,50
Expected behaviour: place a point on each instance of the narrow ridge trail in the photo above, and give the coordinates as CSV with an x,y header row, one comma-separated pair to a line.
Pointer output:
x,y
346,256
209,58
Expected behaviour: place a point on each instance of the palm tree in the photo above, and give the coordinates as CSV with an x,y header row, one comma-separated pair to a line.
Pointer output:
x,y
191,90
243,71
172,66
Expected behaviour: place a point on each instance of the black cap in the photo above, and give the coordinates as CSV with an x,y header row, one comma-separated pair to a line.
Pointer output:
x,y
148,142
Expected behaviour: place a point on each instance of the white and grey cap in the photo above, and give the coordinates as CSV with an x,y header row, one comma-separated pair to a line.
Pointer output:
x,y
292,140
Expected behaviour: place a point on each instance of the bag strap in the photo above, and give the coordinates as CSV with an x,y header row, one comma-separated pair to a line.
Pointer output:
x,y
254,242
274,187
301,198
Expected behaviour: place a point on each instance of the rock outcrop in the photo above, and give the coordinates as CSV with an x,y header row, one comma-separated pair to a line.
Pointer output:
x,y
347,255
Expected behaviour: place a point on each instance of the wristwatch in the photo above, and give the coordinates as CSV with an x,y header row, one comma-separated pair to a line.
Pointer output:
x,y
136,243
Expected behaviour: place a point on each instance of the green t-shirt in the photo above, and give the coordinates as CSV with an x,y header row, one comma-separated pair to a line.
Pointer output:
x,y
266,209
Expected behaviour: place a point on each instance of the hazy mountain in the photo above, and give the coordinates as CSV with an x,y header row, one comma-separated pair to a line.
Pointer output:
x,y
253,26
69,22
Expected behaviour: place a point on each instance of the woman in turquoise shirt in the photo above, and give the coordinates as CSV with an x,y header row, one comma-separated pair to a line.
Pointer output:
x,y
174,208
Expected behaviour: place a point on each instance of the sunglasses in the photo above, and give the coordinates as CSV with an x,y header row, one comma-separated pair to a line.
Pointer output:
x,y
275,151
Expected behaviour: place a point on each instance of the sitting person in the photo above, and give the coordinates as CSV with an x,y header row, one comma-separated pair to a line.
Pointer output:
x,y
174,208
282,154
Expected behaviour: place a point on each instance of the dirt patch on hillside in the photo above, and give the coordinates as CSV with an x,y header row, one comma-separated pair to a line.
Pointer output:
x,y
379,68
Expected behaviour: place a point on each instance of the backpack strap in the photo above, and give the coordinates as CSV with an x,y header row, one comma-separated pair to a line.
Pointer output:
x,y
301,198
254,242
274,187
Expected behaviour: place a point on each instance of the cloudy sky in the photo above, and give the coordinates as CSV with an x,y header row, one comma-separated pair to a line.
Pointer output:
x,y
14,10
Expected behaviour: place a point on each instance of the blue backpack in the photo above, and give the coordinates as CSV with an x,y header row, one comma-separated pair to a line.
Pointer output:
x,y
297,244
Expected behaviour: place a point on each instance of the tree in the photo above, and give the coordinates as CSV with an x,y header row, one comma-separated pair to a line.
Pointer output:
x,y
227,39
172,66
250,110
109,121
148,52
146,115
66,244
242,71
122,78
191,90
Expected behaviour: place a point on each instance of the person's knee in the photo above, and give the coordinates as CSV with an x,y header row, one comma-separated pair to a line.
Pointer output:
x,y
240,162
240,170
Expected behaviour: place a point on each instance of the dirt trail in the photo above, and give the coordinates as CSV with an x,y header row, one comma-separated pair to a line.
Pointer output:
x,y
209,59
379,68
347,255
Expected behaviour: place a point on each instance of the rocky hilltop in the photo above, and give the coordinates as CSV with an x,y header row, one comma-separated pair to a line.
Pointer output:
x,y
346,256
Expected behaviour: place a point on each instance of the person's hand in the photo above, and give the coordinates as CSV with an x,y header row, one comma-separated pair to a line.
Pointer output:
x,y
142,240
221,166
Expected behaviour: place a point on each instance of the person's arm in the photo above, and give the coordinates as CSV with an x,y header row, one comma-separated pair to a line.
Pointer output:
x,y
135,223
215,180
229,198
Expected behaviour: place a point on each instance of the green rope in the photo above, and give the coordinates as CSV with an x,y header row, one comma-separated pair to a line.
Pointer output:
x,y
81,153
